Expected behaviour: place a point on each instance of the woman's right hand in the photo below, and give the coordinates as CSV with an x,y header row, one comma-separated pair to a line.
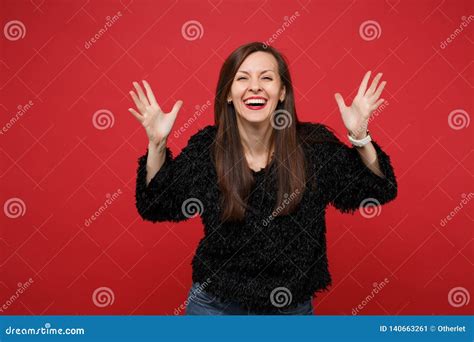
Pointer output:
x,y
157,124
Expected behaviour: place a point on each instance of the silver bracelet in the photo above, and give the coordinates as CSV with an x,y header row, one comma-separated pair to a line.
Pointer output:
x,y
361,142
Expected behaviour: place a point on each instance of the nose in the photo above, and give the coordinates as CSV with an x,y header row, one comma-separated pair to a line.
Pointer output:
x,y
254,85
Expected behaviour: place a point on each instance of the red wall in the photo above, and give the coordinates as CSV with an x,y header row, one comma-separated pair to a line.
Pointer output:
x,y
58,165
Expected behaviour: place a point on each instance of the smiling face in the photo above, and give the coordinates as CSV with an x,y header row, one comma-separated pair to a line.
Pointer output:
x,y
257,87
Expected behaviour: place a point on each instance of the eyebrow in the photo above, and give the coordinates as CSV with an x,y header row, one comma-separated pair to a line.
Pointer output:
x,y
246,72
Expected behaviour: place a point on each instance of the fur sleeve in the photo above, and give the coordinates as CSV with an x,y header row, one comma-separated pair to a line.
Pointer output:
x,y
348,181
173,193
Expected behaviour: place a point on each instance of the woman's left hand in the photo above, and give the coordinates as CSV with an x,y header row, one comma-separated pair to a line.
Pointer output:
x,y
356,117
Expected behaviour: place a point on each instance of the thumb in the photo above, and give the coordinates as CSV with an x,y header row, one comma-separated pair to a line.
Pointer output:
x,y
340,101
176,108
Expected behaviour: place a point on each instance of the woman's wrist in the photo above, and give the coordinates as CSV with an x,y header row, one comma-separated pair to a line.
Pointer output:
x,y
359,135
157,146
360,141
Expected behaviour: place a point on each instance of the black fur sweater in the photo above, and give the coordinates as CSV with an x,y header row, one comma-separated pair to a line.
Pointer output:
x,y
251,262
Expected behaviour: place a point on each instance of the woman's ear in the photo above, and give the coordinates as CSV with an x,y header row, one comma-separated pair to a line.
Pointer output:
x,y
283,94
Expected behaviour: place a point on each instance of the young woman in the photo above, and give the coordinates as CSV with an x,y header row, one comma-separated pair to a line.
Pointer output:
x,y
261,181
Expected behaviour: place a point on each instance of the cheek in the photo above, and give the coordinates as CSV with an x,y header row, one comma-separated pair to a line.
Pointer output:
x,y
273,92
237,91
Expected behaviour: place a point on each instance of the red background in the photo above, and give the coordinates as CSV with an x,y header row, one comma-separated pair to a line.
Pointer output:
x,y
62,167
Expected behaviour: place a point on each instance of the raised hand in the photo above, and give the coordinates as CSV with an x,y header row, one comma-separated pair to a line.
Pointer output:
x,y
356,116
157,123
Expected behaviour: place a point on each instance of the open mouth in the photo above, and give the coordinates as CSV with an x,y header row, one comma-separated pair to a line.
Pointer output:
x,y
255,103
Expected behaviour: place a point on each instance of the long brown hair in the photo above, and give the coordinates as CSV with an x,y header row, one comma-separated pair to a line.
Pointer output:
x,y
235,178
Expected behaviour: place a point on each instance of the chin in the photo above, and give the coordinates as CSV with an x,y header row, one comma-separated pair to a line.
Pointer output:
x,y
256,116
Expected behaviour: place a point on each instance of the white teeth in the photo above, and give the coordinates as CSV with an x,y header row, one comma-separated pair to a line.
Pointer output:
x,y
255,101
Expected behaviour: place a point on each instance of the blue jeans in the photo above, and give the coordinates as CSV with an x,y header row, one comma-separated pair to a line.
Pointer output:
x,y
201,302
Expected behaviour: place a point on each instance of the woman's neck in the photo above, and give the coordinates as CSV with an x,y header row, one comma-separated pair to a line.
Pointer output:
x,y
255,137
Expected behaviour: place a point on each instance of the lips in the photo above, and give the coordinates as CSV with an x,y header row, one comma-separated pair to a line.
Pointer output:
x,y
255,102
